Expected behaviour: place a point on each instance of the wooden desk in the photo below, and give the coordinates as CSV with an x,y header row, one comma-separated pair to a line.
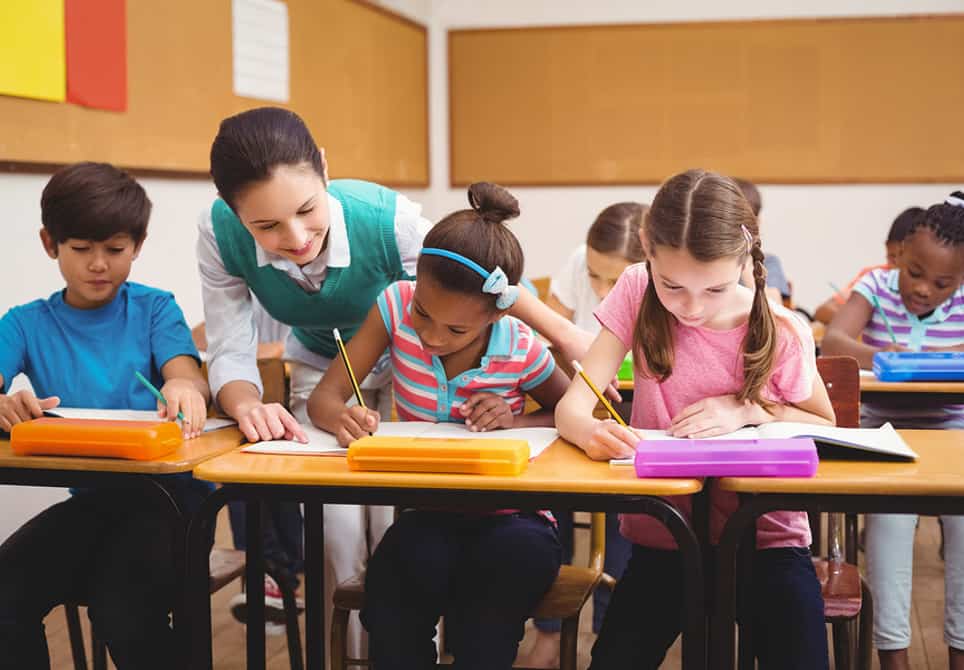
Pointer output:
x,y
562,477
933,485
946,392
184,459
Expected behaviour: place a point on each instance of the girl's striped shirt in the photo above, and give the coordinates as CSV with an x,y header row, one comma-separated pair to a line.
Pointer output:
x,y
942,328
515,362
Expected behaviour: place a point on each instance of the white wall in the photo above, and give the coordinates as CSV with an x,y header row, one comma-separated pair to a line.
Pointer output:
x,y
822,233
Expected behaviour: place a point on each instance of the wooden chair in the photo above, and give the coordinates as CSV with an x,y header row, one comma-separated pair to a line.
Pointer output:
x,y
542,287
848,603
564,600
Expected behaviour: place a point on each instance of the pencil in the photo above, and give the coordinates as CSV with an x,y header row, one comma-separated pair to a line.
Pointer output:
x,y
602,399
351,373
890,331
154,392
838,295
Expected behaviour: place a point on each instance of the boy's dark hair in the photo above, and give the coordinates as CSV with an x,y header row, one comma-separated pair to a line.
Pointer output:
x,y
250,145
903,224
477,234
752,195
94,201
616,231
945,220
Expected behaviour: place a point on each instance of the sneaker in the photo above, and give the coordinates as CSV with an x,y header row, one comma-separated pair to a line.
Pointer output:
x,y
274,609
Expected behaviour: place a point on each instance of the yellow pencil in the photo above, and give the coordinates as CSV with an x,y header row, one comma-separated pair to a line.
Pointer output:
x,y
351,374
602,399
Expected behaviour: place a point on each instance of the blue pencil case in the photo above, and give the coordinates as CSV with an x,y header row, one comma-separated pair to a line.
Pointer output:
x,y
919,366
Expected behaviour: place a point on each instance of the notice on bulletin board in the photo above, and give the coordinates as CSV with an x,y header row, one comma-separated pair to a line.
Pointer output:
x,y
32,63
261,49
97,54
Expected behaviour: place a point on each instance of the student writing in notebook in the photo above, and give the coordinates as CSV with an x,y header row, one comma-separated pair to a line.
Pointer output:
x,y
113,548
898,231
924,303
317,253
711,356
612,244
456,357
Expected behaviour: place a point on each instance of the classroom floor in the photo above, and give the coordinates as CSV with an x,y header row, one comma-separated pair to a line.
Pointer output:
x,y
927,653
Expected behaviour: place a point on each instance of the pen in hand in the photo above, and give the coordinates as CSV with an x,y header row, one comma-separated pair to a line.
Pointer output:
x,y
157,394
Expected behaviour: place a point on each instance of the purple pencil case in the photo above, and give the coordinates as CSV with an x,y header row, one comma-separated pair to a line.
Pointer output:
x,y
790,457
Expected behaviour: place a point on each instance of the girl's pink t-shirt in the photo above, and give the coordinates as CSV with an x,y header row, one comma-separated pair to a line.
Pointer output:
x,y
709,363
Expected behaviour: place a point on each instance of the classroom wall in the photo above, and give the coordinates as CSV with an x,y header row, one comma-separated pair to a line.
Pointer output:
x,y
822,233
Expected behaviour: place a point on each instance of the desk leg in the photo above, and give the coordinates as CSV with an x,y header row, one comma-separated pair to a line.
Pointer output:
x,y
737,527
315,630
254,578
694,592
197,598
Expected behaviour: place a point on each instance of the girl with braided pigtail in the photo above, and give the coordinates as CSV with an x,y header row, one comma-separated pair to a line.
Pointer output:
x,y
924,303
711,356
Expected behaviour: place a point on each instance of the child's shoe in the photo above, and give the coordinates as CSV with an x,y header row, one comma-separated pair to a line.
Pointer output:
x,y
274,608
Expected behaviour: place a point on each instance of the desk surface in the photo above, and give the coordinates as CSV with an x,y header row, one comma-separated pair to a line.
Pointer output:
x,y
940,471
561,468
872,384
184,459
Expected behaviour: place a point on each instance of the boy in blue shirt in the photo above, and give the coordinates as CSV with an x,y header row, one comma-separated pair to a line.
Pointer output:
x,y
110,548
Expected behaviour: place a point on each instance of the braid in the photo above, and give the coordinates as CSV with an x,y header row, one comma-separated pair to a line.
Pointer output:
x,y
759,348
945,220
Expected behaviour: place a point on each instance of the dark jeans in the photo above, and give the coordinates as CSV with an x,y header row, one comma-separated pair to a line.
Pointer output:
x,y
784,605
618,549
485,574
110,549
283,530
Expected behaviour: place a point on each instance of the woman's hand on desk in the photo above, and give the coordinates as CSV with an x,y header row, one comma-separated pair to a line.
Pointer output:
x,y
486,411
23,406
355,422
259,421
609,440
182,396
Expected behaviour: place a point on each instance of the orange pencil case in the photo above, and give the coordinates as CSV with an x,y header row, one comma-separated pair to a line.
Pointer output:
x,y
475,456
136,440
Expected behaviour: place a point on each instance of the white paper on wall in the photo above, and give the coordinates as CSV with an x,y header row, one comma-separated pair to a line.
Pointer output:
x,y
261,49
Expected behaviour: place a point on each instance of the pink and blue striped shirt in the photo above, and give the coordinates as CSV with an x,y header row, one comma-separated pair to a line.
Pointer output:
x,y
514,362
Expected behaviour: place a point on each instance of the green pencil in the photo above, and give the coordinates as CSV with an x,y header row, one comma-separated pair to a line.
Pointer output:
x,y
890,331
157,394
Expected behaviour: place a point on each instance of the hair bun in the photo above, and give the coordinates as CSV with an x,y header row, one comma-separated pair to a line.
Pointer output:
x,y
492,202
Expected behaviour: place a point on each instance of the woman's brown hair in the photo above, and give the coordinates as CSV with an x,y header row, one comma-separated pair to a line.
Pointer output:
x,y
479,235
616,231
705,214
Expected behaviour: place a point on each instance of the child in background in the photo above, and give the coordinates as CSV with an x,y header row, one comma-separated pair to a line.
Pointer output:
x,y
456,357
110,548
898,230
612,244
924,302
711,356
778,288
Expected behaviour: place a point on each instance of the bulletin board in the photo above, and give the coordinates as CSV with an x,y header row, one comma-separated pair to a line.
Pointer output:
x,y
359,78
871,100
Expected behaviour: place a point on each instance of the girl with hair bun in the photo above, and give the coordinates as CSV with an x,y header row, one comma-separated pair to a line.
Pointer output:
x,y
456,356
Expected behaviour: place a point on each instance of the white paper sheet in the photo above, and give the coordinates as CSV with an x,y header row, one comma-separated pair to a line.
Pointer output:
x,y
322,443
127,415
261,49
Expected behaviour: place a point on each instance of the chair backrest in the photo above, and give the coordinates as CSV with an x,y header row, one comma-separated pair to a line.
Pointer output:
x,y
542,287
275,379
841,376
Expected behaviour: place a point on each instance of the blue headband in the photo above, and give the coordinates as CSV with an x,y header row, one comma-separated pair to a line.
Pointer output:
x,y
495,283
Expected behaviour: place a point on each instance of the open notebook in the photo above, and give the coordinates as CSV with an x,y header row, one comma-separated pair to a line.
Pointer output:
x,y
321,442
872,444
126,415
